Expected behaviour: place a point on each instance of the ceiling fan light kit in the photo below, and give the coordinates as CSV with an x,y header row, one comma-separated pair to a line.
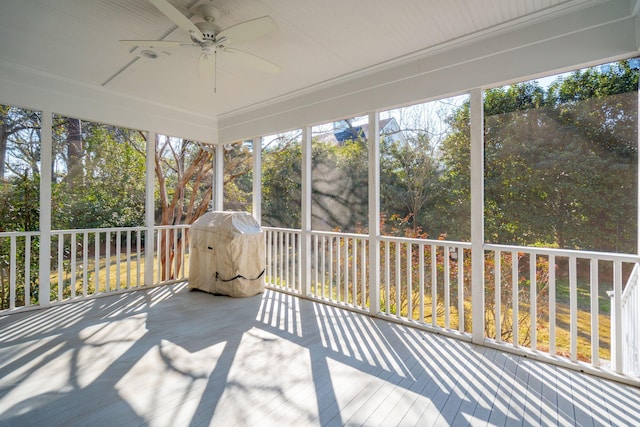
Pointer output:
x,y
211,40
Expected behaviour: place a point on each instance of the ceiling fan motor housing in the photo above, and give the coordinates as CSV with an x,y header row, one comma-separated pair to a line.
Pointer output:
x,y
209,30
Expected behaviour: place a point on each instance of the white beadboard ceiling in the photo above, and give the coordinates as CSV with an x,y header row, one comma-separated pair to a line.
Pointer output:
x,y
316,41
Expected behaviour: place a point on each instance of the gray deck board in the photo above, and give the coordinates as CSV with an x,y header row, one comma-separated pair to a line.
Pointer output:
x,y
171,357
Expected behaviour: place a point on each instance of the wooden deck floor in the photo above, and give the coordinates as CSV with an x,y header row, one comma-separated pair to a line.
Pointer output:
x,y
171,357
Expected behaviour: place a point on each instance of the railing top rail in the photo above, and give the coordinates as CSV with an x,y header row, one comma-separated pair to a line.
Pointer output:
x,y
96,230
19,233
426,241
604,256
165,227
287,230
382,238
114,229
90,230
339,234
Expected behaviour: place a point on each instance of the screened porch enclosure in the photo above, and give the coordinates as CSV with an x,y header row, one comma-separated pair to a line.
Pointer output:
x,y
574,308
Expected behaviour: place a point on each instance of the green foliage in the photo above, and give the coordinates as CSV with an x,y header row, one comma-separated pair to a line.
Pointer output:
x,y
340,186
19,212
281,184
238,180
20,195
19,141
560,163
21,200
109,190
410,180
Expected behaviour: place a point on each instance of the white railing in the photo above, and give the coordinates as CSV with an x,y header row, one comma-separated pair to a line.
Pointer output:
x,y
547,301
18,255
338,265
630,326
339,274
339,268
561,305
171,253
537,300
426,281
89,262
283,261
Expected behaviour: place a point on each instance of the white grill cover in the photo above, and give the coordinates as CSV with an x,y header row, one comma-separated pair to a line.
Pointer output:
x,y
227,254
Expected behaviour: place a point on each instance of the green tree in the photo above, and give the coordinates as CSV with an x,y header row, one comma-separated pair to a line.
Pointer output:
x,y
410,180
20,195
453,208
105,186
281,182
19,140
238,176
183,172
560,162
340,185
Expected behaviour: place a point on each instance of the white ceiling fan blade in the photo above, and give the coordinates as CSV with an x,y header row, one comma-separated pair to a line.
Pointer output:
x,y
178,18
207,65
153,43
248,30
252,60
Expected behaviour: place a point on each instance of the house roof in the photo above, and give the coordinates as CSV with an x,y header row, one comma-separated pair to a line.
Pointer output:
x,y
337,58
359,129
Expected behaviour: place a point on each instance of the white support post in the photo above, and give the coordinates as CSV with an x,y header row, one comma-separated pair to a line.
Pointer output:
x,y
374,212
149,208
636,305
477,215
305,220
218,179
46,144
256,208
617,353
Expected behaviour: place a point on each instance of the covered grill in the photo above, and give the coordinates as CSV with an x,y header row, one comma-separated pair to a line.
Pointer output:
x,y
227,254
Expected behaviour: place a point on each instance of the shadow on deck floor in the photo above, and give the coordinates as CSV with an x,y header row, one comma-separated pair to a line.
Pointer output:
x,y
168,356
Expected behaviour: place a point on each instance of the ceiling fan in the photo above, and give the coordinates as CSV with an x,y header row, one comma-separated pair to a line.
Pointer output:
x,y
211,39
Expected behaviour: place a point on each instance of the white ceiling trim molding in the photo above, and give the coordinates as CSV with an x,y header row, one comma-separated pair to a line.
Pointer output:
x,y
602,32
38,90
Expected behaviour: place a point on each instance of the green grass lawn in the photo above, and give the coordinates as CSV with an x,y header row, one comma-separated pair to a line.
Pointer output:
x,y
134,277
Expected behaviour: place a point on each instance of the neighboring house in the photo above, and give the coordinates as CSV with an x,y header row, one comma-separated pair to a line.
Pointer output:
x,y
345,130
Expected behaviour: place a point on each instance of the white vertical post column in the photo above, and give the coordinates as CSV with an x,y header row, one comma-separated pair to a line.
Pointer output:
x,y
477,215
46,144
218,179
636,327
374,212
149,208
305,220
257,179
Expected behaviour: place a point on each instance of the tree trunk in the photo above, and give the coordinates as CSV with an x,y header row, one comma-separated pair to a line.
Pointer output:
x,y
74,152
4,134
